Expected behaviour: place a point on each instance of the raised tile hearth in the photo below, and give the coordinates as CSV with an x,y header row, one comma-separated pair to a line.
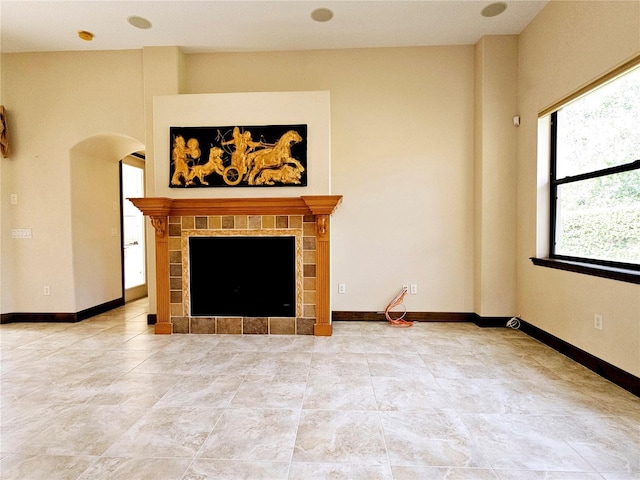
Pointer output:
x,y
306,218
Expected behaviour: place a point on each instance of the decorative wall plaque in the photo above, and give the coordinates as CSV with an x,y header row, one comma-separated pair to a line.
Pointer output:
x,y
242,156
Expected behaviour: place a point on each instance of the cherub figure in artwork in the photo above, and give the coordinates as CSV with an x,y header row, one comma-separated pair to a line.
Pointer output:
x,y
193,148
179,158
182,150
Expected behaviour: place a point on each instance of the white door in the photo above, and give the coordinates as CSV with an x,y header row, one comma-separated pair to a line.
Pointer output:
x,y
133,229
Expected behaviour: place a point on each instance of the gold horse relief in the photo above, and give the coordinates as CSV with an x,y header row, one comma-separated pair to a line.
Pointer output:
x,y
254,162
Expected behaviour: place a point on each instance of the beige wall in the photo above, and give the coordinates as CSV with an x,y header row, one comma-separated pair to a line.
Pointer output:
x,y
402,157
496,73
56,100
163,73
568,45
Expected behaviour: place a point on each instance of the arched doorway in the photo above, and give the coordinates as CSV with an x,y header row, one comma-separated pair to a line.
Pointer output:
x,y
96,218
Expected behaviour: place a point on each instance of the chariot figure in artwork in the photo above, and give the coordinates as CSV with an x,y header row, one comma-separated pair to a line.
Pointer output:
x,y
243,144
245,156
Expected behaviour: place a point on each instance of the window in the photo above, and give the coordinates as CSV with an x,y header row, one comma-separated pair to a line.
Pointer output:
x,y
595,175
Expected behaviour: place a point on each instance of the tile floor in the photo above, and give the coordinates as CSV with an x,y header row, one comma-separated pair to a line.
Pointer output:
x,y
107,399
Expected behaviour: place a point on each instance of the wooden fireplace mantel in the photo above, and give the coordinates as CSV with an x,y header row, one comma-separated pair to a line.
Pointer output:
x,y
159,209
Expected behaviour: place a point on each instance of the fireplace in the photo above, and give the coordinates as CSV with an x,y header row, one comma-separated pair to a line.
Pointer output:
x,y
245,276
179,222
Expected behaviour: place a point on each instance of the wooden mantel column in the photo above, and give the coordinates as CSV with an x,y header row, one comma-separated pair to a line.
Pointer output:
x,y
320,206
323,278
161,225
158,210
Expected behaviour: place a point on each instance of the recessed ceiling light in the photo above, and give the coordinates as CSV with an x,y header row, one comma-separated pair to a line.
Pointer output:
x,y
322,14
493,9
139,22
86,36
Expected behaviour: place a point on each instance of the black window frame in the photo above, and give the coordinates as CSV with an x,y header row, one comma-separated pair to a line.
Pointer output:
x,y
555,182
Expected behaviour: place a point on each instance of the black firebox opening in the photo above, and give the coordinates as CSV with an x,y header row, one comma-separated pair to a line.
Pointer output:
x,y
242,276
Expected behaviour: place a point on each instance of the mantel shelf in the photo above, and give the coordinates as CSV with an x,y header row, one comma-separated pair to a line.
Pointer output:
x,y
305,205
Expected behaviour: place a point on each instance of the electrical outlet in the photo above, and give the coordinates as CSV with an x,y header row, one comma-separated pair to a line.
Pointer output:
x,y
14,199
414,289
597,321
46,290
405,286
342,288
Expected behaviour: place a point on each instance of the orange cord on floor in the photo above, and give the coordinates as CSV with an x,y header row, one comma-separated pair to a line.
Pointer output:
x,y
398,322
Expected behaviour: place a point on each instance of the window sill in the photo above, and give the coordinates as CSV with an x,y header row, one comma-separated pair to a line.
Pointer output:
x,y
620,274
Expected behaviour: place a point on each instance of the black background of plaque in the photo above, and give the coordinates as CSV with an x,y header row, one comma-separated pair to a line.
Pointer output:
x,y
214,136
242,276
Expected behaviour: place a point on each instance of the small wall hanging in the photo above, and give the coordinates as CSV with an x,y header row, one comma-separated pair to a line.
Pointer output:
x,y
238,156
4,133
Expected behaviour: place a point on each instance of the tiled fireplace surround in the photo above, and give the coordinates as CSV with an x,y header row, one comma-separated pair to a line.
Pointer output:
x,y
306,218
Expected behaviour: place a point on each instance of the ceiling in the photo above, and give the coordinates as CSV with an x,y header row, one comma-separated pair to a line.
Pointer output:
x,y
243,26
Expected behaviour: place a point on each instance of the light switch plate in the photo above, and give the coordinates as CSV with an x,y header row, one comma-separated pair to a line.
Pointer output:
x,y
21,233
